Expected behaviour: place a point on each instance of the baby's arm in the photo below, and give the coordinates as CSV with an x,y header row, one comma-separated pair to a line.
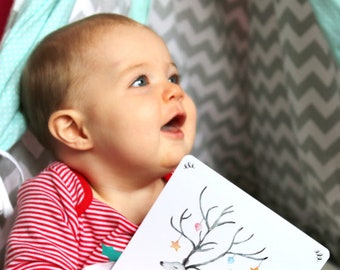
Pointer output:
x,y
44,235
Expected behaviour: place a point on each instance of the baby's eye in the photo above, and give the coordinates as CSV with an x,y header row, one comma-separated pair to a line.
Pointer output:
x,y
174,79
141,81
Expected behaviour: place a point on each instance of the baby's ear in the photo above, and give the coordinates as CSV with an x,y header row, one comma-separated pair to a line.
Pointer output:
x,y
67,126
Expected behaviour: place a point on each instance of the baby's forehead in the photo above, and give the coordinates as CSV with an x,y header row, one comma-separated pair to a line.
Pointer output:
x,y
118,35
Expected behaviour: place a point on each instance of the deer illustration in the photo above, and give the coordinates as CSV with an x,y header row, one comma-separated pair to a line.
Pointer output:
x,y
202,244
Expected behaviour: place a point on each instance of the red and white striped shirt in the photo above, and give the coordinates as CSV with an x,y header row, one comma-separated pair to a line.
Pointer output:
x,y
61,226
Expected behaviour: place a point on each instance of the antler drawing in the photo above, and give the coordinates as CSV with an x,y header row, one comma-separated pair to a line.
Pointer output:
x,y
203,244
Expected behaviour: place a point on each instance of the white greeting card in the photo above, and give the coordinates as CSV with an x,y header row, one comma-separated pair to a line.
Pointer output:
x,y
203,221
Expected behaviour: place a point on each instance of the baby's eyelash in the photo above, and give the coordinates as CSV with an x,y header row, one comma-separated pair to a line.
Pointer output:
x,y
143,80
175,78
140,81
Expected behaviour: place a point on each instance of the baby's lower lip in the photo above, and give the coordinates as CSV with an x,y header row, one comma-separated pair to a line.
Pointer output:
x,y
174,132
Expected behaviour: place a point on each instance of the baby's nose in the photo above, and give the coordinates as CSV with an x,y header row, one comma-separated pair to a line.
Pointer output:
x,y
172,91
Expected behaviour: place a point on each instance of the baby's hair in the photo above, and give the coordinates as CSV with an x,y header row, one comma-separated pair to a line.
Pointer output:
x,y
55,66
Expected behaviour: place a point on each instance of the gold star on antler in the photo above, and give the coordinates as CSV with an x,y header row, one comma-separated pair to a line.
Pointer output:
x,y
175,245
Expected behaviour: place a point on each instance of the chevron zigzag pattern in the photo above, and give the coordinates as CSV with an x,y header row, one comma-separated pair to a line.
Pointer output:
x,y
296,127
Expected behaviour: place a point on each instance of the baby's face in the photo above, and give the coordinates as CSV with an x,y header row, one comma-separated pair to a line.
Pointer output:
x,y
139,117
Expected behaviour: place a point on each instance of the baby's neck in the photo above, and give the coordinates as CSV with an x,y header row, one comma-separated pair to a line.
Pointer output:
x,y
134,204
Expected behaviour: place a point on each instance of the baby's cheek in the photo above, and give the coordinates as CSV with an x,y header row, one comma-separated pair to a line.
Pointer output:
x,y
190,108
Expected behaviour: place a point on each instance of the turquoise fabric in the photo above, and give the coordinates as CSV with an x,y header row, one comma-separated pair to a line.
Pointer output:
x,y
139,10
328,15
35,19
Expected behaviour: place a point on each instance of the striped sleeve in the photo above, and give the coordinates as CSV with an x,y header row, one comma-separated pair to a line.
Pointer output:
x,y
45,233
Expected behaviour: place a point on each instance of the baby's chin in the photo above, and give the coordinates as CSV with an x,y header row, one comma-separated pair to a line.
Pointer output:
x,y
172,162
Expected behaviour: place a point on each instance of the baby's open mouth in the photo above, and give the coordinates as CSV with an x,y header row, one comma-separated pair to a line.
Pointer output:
x,y
175,123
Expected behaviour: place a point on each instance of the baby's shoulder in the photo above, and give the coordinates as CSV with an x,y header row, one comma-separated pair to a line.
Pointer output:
x,y
56,180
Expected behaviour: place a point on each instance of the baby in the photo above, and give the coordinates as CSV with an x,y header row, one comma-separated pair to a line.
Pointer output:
x,y
103,95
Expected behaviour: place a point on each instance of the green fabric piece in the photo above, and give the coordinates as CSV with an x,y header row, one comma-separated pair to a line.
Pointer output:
x,y
111,253
139,10
35,19
328,15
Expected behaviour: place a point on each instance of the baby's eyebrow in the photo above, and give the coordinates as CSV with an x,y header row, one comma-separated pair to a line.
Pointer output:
x,y
132,67
173,64
143,65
